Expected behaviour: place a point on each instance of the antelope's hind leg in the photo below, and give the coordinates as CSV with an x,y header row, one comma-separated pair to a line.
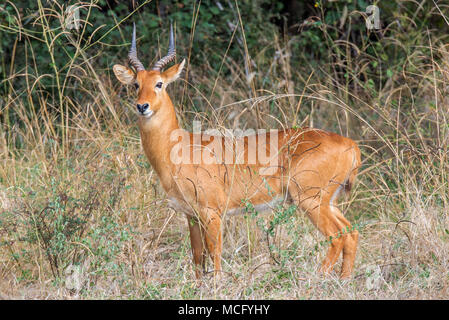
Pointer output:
x,y
350,247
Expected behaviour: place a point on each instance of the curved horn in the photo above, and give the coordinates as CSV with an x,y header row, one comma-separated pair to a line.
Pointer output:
x,y
132,55
171,54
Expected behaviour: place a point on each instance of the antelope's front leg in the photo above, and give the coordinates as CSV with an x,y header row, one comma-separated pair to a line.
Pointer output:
x,y
212,221
197,243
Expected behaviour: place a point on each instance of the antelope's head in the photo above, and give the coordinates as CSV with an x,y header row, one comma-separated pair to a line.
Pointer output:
x,y
150,84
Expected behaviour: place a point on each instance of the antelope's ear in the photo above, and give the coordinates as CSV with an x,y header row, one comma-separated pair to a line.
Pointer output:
x,y
124,74
173,73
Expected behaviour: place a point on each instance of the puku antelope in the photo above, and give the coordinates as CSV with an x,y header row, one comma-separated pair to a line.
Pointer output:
x,y
312,168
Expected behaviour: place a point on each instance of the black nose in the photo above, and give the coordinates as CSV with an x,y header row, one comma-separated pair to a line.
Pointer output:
x,y
142,107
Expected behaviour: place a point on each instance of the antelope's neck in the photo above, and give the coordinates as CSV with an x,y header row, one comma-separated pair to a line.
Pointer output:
x,y
155,134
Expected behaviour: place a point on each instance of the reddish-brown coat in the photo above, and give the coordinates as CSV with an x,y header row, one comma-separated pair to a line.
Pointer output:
x,y
313,166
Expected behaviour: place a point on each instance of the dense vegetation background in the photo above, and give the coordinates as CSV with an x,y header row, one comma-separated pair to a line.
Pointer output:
x,y
82,213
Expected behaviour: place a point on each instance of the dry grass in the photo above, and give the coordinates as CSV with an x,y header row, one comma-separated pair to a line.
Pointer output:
x,y
77,196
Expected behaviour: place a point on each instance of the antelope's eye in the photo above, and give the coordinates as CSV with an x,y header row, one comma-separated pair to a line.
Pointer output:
x,y
159,85
136,85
